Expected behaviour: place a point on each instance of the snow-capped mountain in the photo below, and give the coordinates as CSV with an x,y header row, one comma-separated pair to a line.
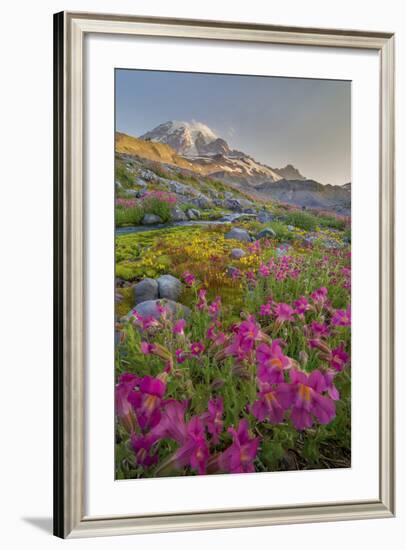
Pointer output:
x,y
201,146
187,138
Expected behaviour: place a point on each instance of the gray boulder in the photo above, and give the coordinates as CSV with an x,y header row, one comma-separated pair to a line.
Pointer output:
x,y
169,287
238,234
202,202
237,253
266,233
149,308
151,219
291,228
265,216
178,215
145,290
193,214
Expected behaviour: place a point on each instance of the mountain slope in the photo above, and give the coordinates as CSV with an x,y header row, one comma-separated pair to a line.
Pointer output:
x,y
158,152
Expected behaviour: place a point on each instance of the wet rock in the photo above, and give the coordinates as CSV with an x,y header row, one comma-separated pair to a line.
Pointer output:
x,y
193,214
145,290
178,215
151,219
169,287
266,233
237,253
238,234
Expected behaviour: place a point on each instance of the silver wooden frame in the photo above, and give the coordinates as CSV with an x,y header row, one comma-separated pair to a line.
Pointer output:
x,y
69,338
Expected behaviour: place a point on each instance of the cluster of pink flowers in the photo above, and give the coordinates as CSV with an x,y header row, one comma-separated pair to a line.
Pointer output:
x,y
285,391
161,196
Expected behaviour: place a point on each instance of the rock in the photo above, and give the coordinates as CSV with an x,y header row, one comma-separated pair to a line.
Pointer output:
x,y
237,253
265,217
151,219
266,233
228,195
232,271
180,188
141,193
169,287
202,202
145,290
291,228
193,214
233,204
238,234
178,215
140,182
149,308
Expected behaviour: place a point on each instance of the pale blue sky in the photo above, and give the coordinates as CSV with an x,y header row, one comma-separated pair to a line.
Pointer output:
x,y
277,121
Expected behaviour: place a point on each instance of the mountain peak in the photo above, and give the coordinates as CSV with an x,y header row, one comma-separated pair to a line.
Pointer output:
x,y
185,137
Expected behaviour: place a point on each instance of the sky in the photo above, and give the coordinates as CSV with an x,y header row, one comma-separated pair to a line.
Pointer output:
x,y
277,121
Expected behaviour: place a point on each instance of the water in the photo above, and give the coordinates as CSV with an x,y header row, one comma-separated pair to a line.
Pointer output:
x,y
142,228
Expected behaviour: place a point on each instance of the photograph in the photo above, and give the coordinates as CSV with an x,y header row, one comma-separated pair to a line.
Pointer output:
x,y
232,274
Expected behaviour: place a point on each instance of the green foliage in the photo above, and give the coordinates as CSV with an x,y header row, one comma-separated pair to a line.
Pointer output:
x,y
160,208
129,216
301,219
123,175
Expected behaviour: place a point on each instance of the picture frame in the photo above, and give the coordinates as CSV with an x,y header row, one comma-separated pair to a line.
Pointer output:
x,y
70,519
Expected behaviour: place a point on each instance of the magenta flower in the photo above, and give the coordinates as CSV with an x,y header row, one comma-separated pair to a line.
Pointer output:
x,y
319,296
194,451
266,309
142,447
341,317
201,302
214,418
283,312
319,329
180,356
301,306
123,407
196,348
179,327
189,278
240,455
339,358
147,348
264,270
272,362
214,308
271,403
172,424
308,401
146,401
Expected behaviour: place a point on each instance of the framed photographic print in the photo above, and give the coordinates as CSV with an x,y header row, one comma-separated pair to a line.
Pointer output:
x,y
224,289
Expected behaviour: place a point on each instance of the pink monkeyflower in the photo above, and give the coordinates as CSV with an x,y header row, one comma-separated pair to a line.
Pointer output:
x,y
332,391
264,270
307,399
319,330
214,308
189,278
339,358
272,402
180,356
266,309
179,327
201,302
142,447
301,305
162,310
194,451
272,362
147,348
196,348
146,401
341,317
283,312
144,322
319,296
240,455
214,418
172,424
123,407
